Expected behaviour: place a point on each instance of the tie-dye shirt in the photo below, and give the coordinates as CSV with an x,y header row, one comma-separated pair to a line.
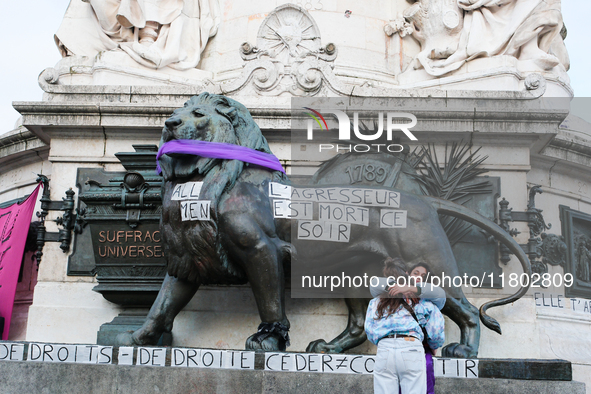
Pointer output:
x,y
401,322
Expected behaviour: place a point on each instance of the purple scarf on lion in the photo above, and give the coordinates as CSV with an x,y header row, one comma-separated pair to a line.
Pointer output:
x,y
219,150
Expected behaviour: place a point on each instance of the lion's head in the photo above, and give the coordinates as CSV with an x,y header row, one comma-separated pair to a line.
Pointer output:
x,y
212,118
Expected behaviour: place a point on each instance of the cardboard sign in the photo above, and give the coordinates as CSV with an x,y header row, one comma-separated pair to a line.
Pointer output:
x,y
151,356
126,355
195,210
340,213
204,358
12,351
186,191
545,300
340,195
324,231
455,367
292,209
224,359
278,190
391,218
84,354
326,363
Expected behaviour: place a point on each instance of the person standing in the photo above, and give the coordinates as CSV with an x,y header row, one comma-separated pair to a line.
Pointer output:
x,y
417,288
390,324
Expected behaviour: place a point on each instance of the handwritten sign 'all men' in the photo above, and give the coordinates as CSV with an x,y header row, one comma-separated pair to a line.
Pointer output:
x,y
186,191
191,207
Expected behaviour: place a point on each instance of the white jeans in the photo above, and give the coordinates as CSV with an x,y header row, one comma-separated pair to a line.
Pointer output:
x,y
400,361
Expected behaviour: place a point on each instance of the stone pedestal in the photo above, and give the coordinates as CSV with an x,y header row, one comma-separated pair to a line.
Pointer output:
x,y
129,320
29,377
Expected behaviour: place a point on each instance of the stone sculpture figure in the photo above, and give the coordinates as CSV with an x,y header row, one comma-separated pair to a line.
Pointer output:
x,y
243,241
452,32
155,33
583,257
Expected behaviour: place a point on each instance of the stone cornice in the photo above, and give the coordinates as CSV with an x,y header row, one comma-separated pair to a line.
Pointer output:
x,y
19,140
579,147
485,118
568,152
16,135
453,106
20,147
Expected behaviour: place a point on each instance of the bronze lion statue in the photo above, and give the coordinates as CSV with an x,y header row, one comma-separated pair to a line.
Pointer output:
x,y
241,241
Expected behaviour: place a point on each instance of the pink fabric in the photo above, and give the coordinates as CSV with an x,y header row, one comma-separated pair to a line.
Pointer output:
x,y
14,227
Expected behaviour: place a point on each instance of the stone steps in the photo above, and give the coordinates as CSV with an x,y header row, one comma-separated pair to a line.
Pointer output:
x,y
39,377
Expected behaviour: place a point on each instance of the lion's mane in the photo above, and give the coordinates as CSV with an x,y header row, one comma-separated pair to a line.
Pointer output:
x,y
206,261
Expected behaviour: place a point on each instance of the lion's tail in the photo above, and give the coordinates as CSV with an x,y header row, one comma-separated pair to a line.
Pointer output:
x,y
455,210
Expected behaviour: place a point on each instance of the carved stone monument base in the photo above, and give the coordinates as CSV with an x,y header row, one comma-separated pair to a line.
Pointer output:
x,y
26,377
494,73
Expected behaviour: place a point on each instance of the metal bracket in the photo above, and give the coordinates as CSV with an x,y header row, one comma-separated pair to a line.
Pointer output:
x,y
133,190
547,246
72,219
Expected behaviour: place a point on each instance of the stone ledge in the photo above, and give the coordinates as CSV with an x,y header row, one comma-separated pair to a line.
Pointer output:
x,y
28,377
468,114
19,140
526,369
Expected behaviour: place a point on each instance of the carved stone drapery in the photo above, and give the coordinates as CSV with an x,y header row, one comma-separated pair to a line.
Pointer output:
x,y
453,32
155,33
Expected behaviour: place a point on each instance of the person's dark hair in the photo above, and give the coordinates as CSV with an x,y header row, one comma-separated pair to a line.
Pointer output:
x,y
388,305
425,266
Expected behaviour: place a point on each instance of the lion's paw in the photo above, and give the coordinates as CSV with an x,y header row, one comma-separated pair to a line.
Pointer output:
x,y
458,350
271,343
317,346
270,337
125,339
320,346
